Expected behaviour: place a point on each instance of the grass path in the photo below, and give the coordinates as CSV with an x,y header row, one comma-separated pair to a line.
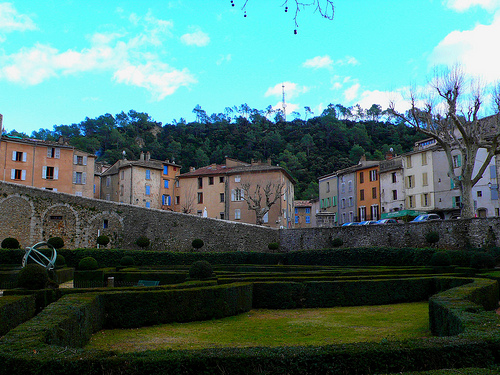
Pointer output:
x,y
275,328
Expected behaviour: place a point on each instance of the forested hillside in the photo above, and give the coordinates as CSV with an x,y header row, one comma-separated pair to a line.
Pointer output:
x,y
307,149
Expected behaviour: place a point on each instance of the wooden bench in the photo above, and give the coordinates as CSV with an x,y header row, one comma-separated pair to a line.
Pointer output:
x,y
148,283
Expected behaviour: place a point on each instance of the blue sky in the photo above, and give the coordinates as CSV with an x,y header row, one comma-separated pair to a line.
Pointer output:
x,y
64,60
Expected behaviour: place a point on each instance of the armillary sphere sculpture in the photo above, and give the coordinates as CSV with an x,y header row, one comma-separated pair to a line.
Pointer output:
x,y
33,255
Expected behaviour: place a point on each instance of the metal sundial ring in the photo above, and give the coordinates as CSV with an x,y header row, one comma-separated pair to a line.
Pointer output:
x,y
33,255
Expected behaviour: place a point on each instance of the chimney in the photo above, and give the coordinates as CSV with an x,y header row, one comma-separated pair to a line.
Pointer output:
x,y
192,169
269,161
388,155
213,166
142,156
148,156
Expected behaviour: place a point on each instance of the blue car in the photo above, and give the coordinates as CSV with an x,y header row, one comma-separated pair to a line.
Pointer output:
x,y
426,217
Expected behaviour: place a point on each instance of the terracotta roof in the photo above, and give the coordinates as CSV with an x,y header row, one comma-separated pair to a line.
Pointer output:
x,y
303,204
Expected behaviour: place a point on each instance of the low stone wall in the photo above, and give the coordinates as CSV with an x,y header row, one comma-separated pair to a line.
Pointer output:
x,y
32,215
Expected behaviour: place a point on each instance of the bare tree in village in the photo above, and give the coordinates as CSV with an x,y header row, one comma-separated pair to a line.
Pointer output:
x,y
261,198
453,121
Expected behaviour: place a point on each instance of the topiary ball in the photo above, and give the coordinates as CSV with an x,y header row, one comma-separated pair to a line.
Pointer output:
x,y
56,242
273,246
432,237
142,242
337,242
103,240
32,276
10,243
60,261
127,261
482,260
88,264
200,270
197,243
440,258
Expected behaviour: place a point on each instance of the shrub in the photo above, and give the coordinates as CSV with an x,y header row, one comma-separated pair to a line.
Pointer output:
x,y
56,242
273,246
200,270
127,261
10,243
432,237
88,264
60,261
142,242
440,258
482,260
103,240
32,276
337,242
197,243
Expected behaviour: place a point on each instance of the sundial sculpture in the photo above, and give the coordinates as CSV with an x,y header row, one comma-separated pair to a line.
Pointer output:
x,y
33,255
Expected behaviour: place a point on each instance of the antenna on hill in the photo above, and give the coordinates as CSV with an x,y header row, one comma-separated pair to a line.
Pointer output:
x,y
283,104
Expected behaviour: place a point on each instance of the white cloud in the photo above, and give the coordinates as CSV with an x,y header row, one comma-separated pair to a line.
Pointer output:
x,y
292,90
352,92
463,5
158,78
11,20
197,38
319,62
223,59
473,49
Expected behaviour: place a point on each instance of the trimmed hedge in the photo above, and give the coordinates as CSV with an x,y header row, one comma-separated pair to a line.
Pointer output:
x,y
15,310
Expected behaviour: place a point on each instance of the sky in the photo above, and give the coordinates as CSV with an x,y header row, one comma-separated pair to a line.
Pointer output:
x,y
64,60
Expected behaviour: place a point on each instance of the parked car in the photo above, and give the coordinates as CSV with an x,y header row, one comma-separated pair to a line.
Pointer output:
x,y
387,221
426,217
350,224
368,222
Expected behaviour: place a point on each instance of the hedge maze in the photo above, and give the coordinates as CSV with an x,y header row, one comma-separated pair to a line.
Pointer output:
x,y
462,304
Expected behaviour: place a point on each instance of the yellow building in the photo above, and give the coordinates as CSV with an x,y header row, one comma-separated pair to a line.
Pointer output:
x,y
145,182
221,192
53,166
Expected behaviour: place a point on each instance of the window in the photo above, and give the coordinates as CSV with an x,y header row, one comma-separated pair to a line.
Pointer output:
x,y
411,201
18,174
373,175
165,184
177,199
122,175
50,173
408,161
80,178
56,217
362,213
200,197
424,158
237,214
108,181
221,180
105,223
200,182
361,177
349,186
374,212
327,186
79,194
342,203
457,161
221,195
221,215
148,204
394,178
122,188
362,195
237,195
108,197
456,202
265,218
148,190
394,195
79,160
199,213
410,182
296,219
165,169
210,180
166,200
18,156
177,183
425,200
53,152
479,193
308,210
424,179
148,174
374,193
351,202
237,178
343,187
308,219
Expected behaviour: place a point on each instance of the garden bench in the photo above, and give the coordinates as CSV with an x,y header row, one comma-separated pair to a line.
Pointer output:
x,y
148,283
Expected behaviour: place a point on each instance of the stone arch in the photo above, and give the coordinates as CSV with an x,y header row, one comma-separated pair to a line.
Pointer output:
x,y
105,223
61,220
17,215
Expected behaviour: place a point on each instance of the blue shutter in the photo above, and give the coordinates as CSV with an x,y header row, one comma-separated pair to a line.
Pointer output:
x,y
494,192
493,171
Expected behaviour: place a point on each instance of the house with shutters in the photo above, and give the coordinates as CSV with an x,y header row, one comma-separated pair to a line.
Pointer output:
x,y
327,215
217,191
55,166
146,182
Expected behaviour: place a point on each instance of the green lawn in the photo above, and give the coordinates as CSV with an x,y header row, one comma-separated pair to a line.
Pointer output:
x,y
276,328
